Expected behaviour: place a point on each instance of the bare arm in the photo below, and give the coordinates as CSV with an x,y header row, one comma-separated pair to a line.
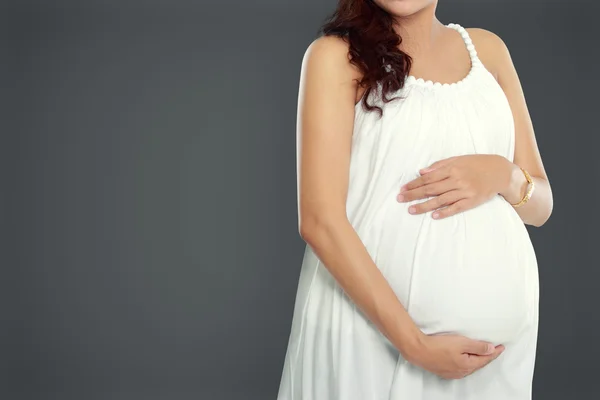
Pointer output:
x,y
324,134
538,209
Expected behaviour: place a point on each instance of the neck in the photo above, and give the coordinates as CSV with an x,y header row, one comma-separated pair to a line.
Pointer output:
x,y
418,31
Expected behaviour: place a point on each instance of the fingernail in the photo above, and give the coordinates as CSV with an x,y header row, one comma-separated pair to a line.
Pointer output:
x,y
412,210
403,189
491,348
400,197
435,215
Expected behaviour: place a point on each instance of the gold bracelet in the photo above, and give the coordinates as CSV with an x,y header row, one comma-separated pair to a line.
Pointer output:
x,y
530,187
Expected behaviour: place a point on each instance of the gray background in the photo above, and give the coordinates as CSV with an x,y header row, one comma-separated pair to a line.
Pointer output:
x,y
151,249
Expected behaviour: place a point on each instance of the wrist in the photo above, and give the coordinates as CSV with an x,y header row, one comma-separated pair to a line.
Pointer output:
x,y
516,184
412,344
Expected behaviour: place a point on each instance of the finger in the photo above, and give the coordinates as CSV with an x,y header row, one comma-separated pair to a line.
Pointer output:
x,y
459,206
433,204
436,164
430,177
477,362
478,347
429,190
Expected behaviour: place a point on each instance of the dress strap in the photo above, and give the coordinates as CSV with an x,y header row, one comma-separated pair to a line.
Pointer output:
x,y
468,42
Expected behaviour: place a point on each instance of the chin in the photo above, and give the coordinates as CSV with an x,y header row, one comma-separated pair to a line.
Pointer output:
x,y
403,8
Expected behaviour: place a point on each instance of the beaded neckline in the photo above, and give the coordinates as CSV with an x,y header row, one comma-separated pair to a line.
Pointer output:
x,y
475,63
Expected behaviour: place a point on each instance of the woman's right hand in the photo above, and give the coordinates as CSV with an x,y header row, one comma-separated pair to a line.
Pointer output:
x,y
453,356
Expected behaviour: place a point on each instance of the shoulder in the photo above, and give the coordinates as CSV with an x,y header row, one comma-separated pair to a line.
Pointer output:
x,y
491,50
329,55
325,45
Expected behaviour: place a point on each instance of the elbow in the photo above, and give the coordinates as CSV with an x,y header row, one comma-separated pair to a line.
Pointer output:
x,y
548,206
543,219
539,224
312,227
309,229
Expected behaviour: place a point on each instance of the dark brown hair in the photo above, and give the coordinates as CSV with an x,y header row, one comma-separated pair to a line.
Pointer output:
x,y
373,46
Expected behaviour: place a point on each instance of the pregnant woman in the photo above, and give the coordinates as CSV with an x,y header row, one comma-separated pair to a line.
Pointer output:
x,y
417,164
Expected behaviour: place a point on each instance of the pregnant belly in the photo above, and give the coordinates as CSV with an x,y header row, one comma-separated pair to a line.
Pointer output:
x,y
471,274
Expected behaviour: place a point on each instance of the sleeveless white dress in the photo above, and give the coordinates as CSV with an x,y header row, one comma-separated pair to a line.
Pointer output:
x,y
474,273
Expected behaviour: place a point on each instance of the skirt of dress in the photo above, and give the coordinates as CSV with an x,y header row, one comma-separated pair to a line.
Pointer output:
x,y
481,283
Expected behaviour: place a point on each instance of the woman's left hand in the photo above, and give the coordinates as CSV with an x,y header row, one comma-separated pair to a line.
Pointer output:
x,y
458,183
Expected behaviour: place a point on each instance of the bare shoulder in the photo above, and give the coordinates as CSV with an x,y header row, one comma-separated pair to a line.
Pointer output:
x,y
491,50
329,55
330,46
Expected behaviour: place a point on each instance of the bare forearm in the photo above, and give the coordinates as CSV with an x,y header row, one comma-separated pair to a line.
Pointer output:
x,y
539,207
339,247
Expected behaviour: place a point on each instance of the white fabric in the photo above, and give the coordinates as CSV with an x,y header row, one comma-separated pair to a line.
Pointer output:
x,y
474,273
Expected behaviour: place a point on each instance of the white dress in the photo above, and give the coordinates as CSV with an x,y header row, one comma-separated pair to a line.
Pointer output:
x,y
474,273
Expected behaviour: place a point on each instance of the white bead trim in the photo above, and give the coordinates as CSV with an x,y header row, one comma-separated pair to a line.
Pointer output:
x,y
475,63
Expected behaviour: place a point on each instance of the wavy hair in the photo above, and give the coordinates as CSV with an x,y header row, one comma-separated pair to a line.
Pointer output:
x,y
368,29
